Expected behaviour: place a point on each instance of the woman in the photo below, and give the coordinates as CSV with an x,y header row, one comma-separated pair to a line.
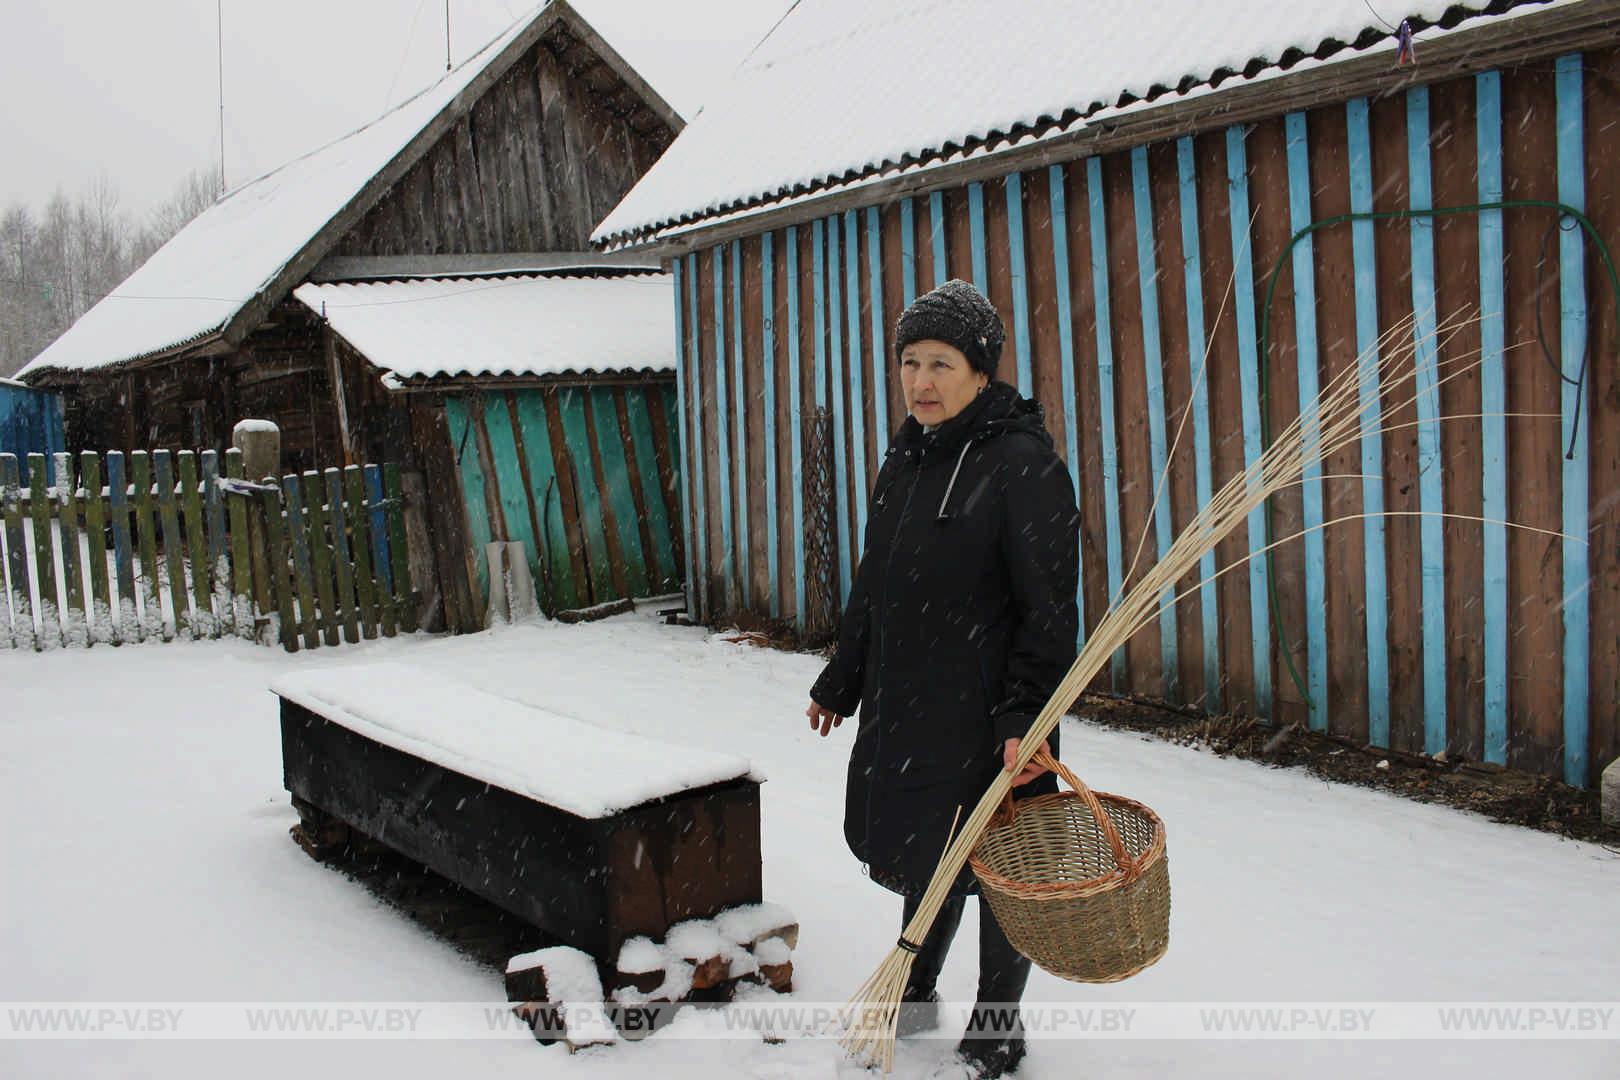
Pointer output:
x,y
961,622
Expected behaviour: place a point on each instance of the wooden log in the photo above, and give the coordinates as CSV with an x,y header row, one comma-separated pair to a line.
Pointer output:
x,y
140,469
342,558
16,569
242,563
320,555
202,618
303,577
404,593
123,585
360,546
99,610
174,559
39,507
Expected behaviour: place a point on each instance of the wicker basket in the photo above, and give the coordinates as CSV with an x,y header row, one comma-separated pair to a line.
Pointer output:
x,y
1078,881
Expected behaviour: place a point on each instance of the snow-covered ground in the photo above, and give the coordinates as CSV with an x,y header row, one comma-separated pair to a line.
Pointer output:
x,y
146,859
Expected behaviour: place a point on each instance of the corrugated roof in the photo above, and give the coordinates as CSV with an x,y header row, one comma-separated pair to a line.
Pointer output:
x,y
543,325
845,89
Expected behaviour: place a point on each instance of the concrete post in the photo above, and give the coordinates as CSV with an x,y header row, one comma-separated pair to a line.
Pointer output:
x,y
260,443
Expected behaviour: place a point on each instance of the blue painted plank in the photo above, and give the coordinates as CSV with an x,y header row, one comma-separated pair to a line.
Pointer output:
x,y
1203,469
382,565
638,406
463,440
1147,280
1430,470
745,588
1307,358
880,358
640,567
683,362
795,425
592,515
1237,177
556,581
1019,277
767,292
908,251
722,428
857,391
976,238
1058,202
1493,406
1107,437
1372,451
698,461
835,322
936,217
514,497
818,297
1575,424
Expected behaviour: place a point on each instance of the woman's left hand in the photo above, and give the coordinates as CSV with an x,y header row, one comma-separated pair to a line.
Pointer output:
x,y
1009,757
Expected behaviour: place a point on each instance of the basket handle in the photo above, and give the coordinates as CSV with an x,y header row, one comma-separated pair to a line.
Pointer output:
x,y
1129,869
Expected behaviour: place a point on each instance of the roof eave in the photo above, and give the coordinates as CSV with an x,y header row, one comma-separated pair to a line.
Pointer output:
x,y
1493,43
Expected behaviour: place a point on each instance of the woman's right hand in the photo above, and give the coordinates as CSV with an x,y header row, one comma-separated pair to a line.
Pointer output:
x,y
822,717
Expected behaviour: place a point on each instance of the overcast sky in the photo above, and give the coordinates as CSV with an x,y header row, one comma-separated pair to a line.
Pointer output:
x,y
131,87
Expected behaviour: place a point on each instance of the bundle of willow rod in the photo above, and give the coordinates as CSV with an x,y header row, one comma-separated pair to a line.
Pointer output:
x,y
1339,418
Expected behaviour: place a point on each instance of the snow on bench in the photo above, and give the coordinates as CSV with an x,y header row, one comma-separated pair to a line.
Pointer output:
x,y
591,833
588,770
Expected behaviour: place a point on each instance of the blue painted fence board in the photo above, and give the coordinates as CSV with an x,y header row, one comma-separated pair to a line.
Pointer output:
x,y
1372,452
683,363
1058,201
840,443
1208,595
1237,176
1430,471
1019,277
795,425
976,237
1107,437
1307,359
699,455
1574,424
908,251
857,391
936,217
880,358
1493,406
1147,279
722,429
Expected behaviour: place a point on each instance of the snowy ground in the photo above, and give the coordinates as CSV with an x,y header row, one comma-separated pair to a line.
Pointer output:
x,y
146,859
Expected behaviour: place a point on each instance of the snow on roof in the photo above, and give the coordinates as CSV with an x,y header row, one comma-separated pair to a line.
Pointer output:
x,y
519,325
586,769
193,285
844,88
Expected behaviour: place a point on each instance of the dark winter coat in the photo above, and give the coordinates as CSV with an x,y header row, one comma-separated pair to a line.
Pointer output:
x,y
961,623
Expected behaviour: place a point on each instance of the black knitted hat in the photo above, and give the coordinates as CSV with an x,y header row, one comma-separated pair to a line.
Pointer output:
x,y
957,314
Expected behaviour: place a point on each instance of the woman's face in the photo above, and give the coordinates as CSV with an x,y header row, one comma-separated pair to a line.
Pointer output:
x,y
938,381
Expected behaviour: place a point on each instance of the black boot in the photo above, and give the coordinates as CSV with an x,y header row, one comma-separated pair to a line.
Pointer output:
x,y
919,1003
993,1043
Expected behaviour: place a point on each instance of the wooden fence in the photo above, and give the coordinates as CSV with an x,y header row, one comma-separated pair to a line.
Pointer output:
x,y
164,547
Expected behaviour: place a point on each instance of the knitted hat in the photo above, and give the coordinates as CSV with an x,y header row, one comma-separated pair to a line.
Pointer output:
x,y
957,314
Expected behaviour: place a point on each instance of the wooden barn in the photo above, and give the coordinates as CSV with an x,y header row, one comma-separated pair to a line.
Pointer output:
x,y
1282,184
489,180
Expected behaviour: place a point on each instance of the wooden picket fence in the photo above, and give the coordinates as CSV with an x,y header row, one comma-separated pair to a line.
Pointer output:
x,y
169,548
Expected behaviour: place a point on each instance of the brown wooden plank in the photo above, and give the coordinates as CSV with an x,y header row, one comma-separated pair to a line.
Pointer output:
x,y
1225,413
787,570
1401,534
1045,350
638,492
1535,483
1602,89
894,303
958,235
1344,546
1179,486
1454,162
1136,475
666,448
1082,329
610,524
712,575
1268,202
568,498
447,516
753,324
998,265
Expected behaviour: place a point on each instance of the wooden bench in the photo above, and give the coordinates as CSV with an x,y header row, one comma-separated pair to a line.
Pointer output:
x,y
592,834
